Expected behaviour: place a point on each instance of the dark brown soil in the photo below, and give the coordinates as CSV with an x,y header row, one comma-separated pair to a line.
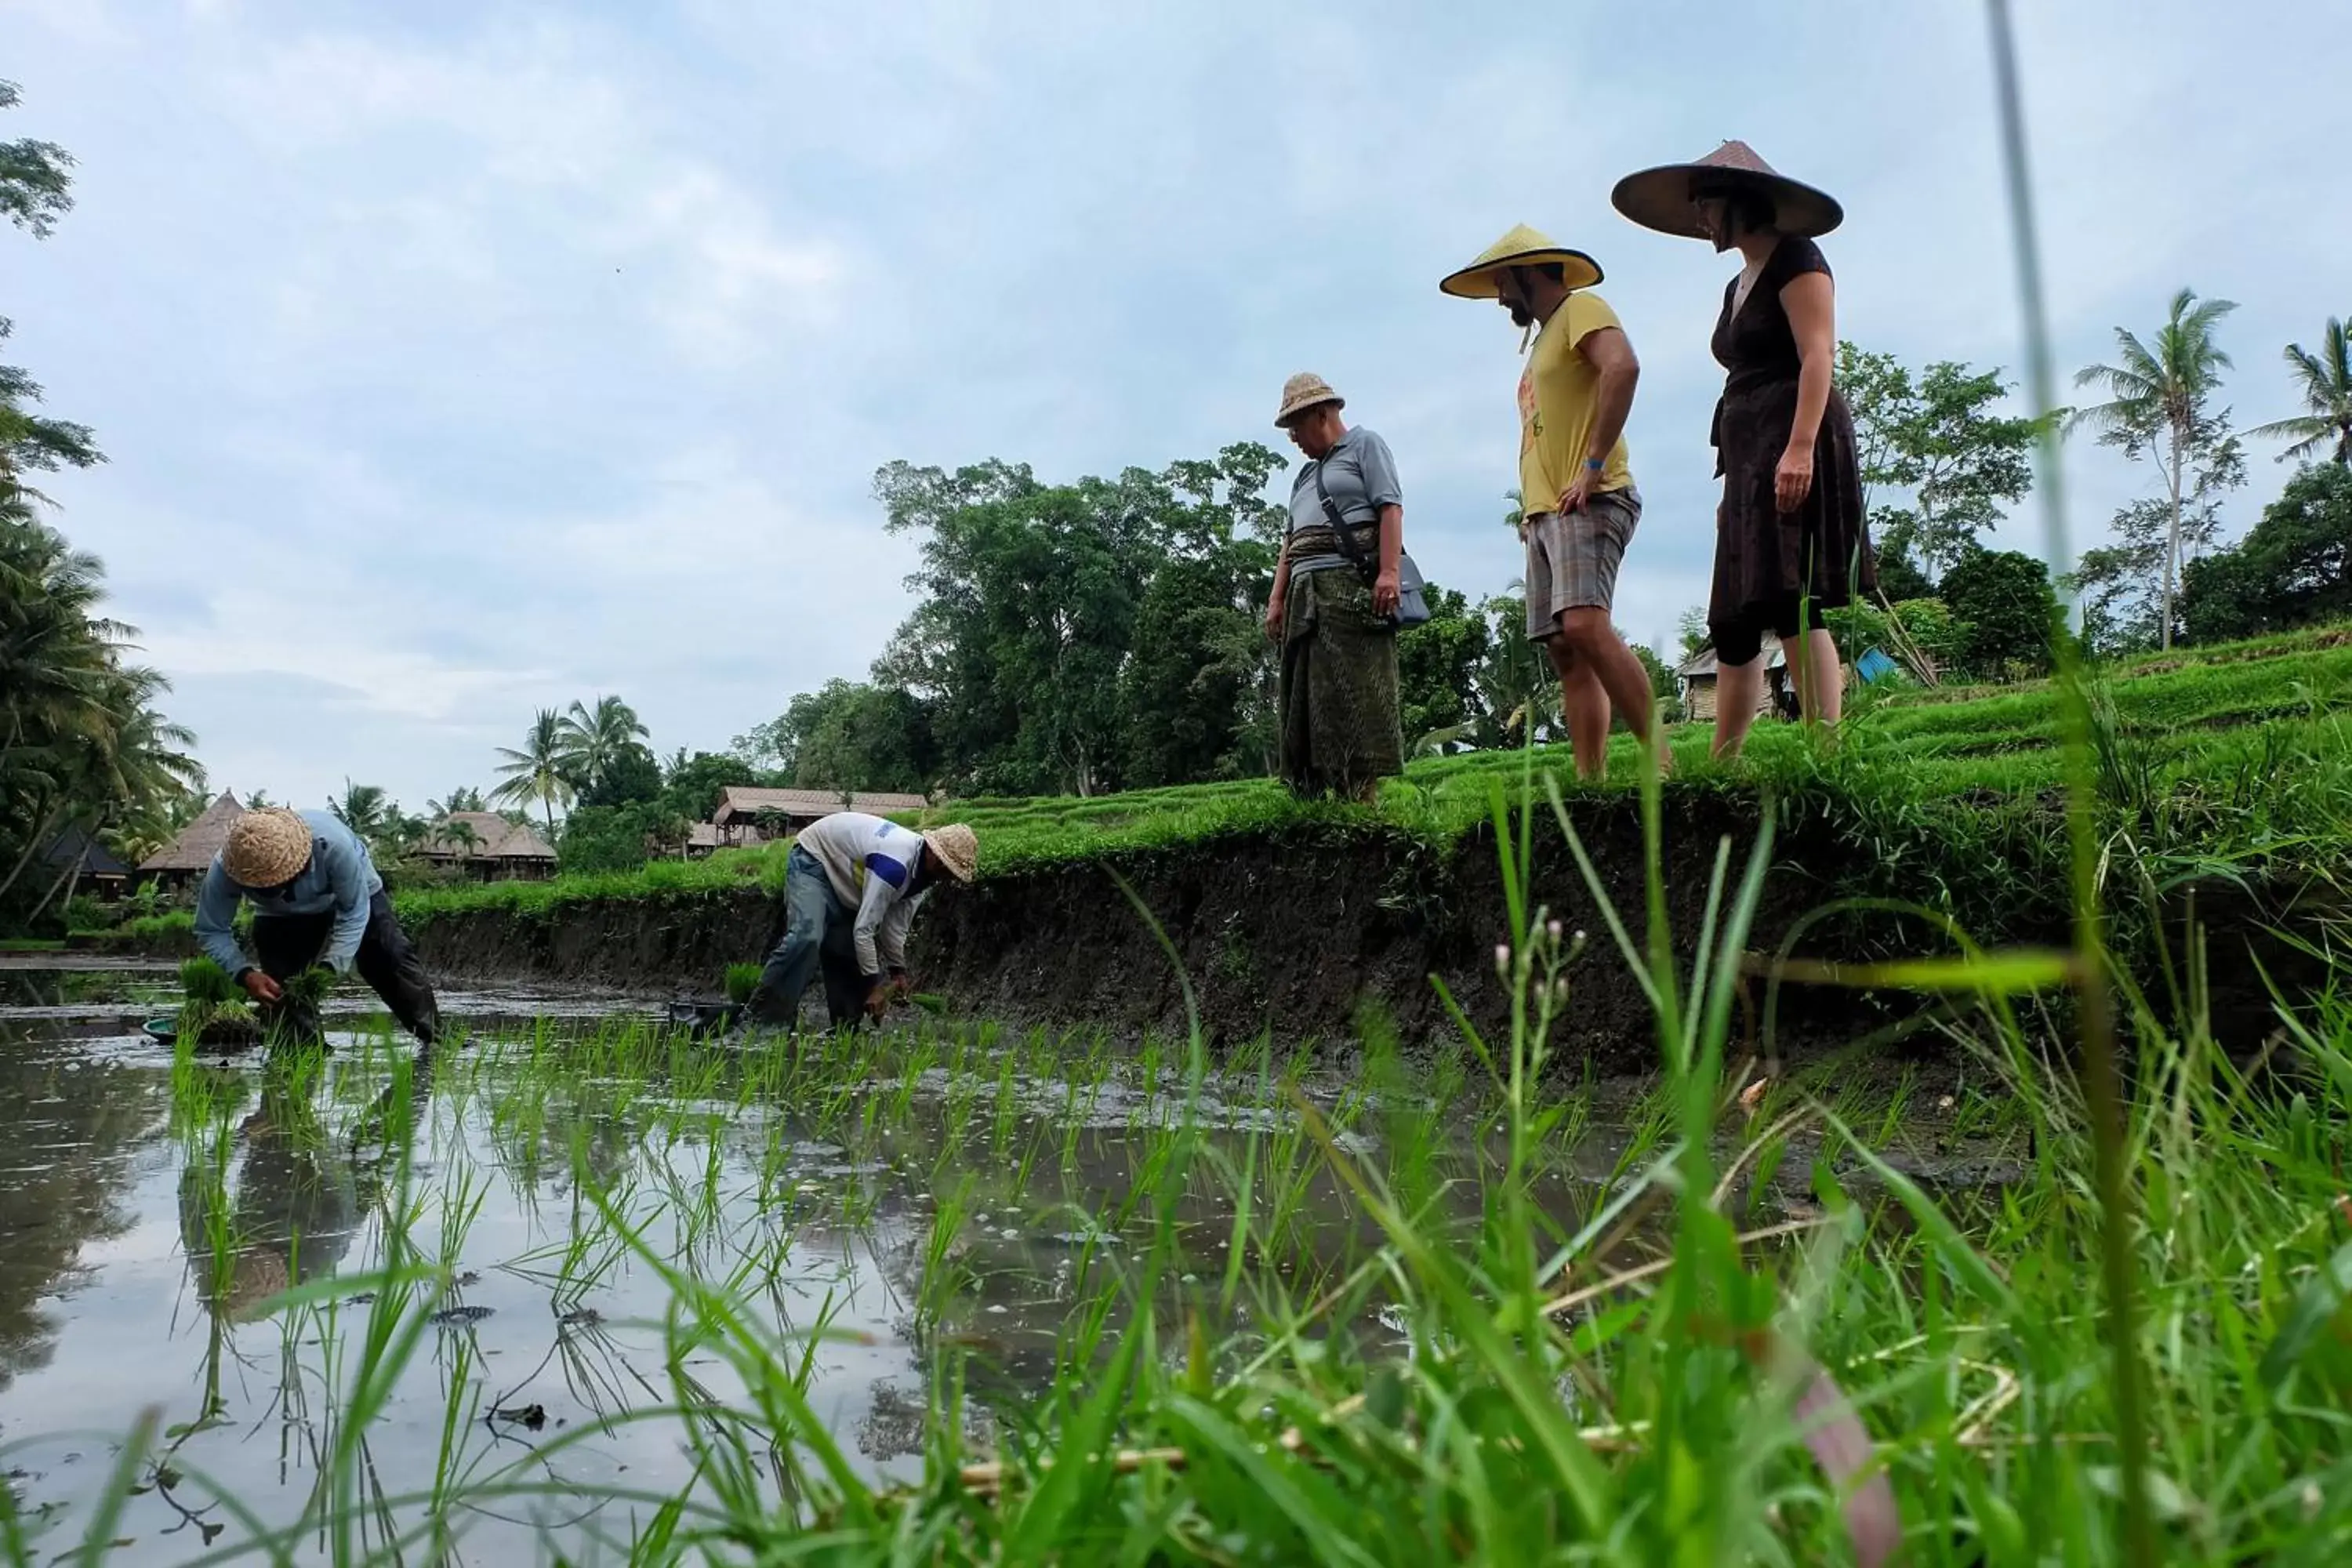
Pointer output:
x,y
1298,933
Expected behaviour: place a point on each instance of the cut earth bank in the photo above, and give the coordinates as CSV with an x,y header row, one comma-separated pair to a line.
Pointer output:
x,y
1308,931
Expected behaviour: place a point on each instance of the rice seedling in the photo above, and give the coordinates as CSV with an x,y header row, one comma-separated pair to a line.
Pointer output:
x,y
742,980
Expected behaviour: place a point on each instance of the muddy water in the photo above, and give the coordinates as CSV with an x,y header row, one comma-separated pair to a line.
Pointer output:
x,y
149,1221
154,1215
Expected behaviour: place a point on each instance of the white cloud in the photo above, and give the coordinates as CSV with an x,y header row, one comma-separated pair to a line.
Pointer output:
x,y
529,358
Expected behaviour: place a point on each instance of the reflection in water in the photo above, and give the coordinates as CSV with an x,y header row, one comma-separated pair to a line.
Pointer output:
x,y
487,1254
75,1126
287,1213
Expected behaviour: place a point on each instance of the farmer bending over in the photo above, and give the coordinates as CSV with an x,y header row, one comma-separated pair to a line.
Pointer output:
x,y
851,887
316,899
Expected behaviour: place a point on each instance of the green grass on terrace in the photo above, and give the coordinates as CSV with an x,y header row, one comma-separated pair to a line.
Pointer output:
x,y
2253,736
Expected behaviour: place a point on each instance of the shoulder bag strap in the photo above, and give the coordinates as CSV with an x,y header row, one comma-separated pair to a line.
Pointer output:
x,y
1365,566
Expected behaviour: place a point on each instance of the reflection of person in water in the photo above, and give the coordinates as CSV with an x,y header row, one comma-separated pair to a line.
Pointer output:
x,y
292,1214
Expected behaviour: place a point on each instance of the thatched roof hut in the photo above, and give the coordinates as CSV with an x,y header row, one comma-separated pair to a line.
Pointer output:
x,y
191,854
75,843
741,806
488,844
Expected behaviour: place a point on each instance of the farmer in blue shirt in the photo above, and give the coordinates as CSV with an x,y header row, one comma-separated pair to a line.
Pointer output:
x,y
317,899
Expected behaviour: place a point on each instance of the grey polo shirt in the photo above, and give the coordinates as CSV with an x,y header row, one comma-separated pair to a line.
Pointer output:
x,y
1360,473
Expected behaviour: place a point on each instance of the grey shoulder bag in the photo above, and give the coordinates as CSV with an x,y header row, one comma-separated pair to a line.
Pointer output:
x,y
1413,605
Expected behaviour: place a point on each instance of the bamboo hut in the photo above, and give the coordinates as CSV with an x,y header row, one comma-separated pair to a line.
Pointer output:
x,y
177,866
746,812
1697,675
489,847
74,858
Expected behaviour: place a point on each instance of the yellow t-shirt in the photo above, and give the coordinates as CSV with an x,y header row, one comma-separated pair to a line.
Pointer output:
x,y
1558,395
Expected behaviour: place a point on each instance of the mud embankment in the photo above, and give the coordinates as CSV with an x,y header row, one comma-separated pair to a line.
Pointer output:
x,y
1298,931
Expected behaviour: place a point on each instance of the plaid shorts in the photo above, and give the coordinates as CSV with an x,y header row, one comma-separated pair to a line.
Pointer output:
x,y
1572,557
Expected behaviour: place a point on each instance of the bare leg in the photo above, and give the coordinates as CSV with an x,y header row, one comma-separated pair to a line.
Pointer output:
x,y
1583,707
1597,646
1821,681
1739,689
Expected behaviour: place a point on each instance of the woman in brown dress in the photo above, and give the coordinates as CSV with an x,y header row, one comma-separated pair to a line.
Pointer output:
x,y
1790,542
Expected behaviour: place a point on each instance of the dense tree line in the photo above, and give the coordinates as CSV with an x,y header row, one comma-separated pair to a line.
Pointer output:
x,y
1108,634
85,754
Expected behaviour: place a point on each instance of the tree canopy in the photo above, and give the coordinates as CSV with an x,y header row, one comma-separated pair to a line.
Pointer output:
x,y
2292,568
82,744
1938,443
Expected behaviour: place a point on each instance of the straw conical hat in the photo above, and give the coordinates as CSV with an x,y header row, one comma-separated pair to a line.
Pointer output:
x,y
265,848
957,848
1662,198
1523,247
1302,392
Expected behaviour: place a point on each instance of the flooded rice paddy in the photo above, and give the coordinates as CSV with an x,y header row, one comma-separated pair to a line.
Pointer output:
x,y
532,1288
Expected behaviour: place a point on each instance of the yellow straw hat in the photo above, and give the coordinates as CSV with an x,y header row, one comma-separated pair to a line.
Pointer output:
x,y
1302,392
957,848
1665,198
1523,247
265,848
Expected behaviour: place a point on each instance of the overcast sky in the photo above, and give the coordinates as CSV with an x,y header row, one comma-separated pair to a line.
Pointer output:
x,y
460,358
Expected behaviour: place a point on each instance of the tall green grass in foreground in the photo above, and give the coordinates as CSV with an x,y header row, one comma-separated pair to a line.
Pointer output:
x,y
1672,1369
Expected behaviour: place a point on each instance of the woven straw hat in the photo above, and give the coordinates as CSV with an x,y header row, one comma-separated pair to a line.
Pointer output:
x,y
258,1277
1664,198
265,848
957,848
1523,247
1302,392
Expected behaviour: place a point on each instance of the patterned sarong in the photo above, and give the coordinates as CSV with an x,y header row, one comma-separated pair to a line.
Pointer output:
x,y
1338,691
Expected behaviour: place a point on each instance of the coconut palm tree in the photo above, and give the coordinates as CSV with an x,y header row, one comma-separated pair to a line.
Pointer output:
x,y
594,739
2157,397
80,740
540,770
367,811
2327,379
460,835
466,799
57,653
141,765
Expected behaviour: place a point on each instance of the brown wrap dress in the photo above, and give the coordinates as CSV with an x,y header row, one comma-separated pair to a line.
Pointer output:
x,y
1768,560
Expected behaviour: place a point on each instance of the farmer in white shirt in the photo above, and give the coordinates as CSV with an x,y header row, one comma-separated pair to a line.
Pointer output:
x,y
851,889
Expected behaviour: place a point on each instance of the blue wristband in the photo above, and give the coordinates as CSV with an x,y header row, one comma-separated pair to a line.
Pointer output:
x,y
1594,465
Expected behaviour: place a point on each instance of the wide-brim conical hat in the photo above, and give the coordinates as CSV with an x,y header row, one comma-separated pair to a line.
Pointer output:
x,y
1661,198
1523,247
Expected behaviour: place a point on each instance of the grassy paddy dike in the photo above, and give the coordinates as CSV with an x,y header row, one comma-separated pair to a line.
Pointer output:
x,y
2224,782
596,1291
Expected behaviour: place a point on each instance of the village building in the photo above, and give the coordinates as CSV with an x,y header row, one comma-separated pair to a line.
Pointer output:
x,y
488,847
82,864
750,814
179,864
1697,674
1696,677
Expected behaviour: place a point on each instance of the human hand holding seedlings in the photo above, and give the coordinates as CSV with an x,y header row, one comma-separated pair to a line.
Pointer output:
x,y
877,1001
260,987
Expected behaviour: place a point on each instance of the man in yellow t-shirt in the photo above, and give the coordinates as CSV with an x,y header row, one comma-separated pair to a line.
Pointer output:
x,y
1576,487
